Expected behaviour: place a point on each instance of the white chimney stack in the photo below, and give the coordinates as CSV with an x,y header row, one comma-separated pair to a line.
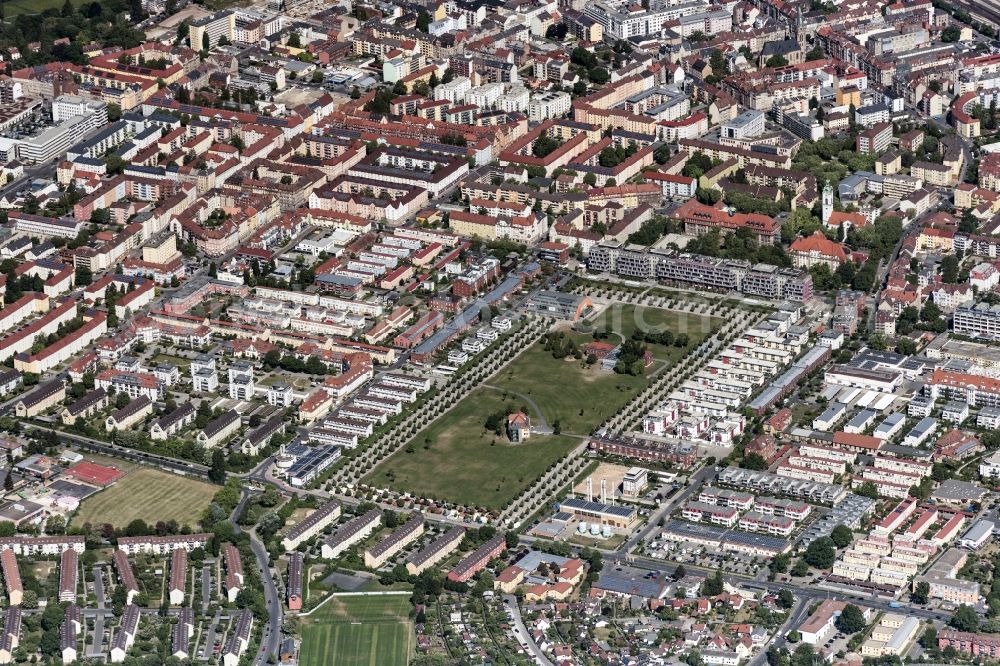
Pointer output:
x,y
604,491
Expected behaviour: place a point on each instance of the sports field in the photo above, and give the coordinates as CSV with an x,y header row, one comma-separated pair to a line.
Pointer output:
x,y
148,494
358,631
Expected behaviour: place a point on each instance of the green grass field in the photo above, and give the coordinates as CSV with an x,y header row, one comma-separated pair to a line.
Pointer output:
x,y
624,319
580,398
358,631
458,460
182,363
148,494
467,464
13,7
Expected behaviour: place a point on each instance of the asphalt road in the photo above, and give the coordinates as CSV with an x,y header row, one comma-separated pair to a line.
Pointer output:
x,y
796,616
97,645
813,592
694,484
206,587
271,640
210,636
99,585
510,603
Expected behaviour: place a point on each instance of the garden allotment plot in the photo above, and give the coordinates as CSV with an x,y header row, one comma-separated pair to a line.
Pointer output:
x,y
358,631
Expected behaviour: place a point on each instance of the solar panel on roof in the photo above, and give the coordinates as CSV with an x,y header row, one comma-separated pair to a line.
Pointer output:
x,y
598,507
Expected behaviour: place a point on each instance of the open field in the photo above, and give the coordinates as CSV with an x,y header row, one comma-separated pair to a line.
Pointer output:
x,y
359,630
182,364
13,7
625,319
148,494
297,382
467,464
566,390
458,460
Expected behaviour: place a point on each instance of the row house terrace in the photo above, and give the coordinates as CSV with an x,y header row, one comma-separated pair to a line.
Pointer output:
x,y
561,203
589,162
127,89
24,338
161,545
333,155
62,350
44,545
743,156
45,227
176,61
108,249
528,229
290,125
700,219
482,142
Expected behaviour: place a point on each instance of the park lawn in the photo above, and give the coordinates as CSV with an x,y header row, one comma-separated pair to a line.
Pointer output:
x,y
465,463
358,631
624,319
297,382
148,494
566,390
182,363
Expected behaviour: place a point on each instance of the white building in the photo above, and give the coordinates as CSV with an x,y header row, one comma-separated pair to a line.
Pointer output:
x,y
747,125
241,382
279,395
515,100
454,91
984,276
65,107
989,468
988,417
485,96
546,105
955,411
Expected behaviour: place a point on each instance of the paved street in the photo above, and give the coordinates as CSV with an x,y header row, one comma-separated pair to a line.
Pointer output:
x,y
98,571
510,603
97,647
206,586
272,631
